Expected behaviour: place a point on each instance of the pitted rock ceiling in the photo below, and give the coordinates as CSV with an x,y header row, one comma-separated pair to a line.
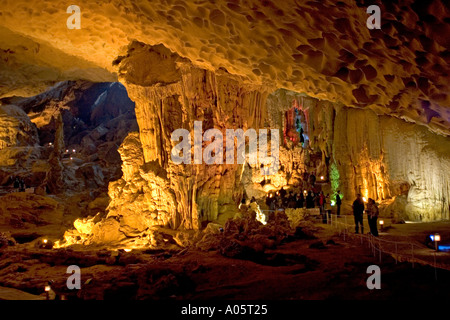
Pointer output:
x,y
322,48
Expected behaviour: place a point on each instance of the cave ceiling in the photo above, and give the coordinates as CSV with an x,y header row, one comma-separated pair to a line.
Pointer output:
x,y
321,48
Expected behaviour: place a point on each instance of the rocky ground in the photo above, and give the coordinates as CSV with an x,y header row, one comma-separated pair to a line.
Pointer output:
x,y
311,262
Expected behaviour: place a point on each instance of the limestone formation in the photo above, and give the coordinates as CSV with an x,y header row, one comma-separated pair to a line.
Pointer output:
x,y
373,107
219,100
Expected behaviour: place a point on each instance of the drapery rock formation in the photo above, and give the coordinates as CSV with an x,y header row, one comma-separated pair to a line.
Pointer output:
x,y
381,157
166,101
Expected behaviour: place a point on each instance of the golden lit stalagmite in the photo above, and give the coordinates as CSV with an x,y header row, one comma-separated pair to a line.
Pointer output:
x,y
154,191
219,100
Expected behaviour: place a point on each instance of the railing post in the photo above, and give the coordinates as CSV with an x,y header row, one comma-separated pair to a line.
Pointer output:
x,y
412,253
373,245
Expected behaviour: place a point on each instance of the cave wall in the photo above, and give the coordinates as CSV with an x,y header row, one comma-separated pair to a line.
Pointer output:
x,y
401,164
170,93
420,159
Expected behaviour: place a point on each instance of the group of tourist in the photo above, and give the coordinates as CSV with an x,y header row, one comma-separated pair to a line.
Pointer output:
x,y
282,200
19,185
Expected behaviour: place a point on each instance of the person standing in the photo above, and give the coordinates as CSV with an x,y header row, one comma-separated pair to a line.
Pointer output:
x,y
309,200
358,211
269,199
16,184
22,187
338,203
322,202
372,216
300,199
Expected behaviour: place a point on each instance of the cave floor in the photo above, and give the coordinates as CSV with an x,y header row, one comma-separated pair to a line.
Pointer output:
x,y
295,270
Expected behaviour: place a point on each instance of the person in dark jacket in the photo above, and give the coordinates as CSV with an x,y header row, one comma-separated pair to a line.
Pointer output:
x,y
16,184
282,193
358,211
300,199
309,200
292,202
338,203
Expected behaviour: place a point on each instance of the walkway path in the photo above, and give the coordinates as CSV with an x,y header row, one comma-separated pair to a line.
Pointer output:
x,y
404,242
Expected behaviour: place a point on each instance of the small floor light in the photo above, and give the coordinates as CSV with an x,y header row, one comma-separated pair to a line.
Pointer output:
x,y
437,238
321,177
381,222
47,289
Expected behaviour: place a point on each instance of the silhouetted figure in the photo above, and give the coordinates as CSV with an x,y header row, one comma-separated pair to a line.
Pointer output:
x,y
269,199
338,203
22,186
309,200
292,201
283,192
358,211
372,216
16,184
299,199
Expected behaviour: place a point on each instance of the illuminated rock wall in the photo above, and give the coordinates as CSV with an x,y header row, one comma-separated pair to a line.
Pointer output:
x,y
170,93
402,165
417,158
386,158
